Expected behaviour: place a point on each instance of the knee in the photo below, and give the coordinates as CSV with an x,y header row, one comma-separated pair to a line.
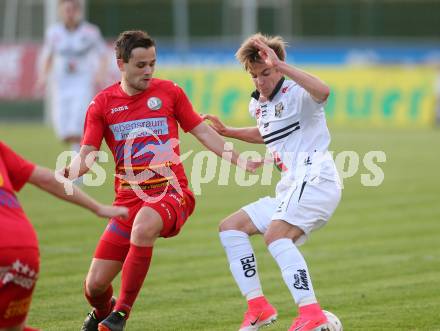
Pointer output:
x,y
146,227
281,230
228,224
239,221
94,286
276,230
237,225
143,232
270,236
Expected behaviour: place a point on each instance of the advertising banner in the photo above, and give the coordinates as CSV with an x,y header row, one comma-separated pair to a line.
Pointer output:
x,y
367,96
381,96
18,72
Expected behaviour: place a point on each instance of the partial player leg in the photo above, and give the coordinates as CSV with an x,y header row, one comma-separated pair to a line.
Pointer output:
x,y
98,289
80,97
146,229
19,328
14,328
234,235
19,268
280,238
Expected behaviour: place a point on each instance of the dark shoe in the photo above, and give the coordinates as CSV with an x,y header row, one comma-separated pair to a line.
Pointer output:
x,y
114,322
91,322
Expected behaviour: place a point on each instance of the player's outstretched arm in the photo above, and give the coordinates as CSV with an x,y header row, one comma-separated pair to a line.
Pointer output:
x,y
215,143
48,181
44,72
81,163
316,87
249,134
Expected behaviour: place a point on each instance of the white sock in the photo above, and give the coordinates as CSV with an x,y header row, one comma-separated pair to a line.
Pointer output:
x,y
254,294
294,270
242,262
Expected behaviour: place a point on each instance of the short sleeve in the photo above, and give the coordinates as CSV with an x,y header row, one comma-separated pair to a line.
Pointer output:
x,y
94,125
184,111
307,102
252,108
19,170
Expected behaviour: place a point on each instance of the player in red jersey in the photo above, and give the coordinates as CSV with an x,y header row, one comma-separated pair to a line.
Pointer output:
x,y
139,119
19,258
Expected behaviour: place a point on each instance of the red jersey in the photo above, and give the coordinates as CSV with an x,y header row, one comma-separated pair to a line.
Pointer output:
x,y
142,134
15,228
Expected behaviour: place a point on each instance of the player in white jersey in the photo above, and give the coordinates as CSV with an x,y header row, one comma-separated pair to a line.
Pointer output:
x,y
72,52
291,122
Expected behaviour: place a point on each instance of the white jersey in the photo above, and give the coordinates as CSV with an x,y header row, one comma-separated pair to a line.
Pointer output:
x,y
294,129
75,53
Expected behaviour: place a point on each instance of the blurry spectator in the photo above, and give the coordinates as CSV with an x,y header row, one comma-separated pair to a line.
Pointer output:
x,y
71,51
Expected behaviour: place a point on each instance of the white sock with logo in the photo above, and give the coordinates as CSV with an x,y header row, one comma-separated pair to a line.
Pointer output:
x,y
242,262
294,270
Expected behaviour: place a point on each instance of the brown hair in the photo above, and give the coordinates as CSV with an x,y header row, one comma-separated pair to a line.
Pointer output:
x,y
248,53
129,40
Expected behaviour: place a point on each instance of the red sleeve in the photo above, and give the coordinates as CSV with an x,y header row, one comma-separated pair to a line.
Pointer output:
x,y
94,125
19,170
185,114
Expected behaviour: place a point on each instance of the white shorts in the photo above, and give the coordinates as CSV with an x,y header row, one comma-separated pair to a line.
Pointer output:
x,y
69,112
308,206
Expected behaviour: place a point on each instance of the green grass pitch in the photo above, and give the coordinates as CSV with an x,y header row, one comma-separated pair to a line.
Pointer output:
x,y
376,264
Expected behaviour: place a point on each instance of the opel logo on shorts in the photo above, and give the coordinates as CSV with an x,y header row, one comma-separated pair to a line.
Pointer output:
x,y
154,103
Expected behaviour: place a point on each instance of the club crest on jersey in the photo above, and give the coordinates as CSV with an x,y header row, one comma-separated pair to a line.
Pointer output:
x,y
154,103
279,107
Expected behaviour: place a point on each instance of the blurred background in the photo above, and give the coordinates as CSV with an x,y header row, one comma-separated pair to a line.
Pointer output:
x,y
381,57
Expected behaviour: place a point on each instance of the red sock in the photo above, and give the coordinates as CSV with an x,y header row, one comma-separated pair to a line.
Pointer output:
x,y
28,328
101,303
134,271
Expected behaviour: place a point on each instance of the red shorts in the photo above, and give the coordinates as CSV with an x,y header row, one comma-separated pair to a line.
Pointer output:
x,y
173,209
19,269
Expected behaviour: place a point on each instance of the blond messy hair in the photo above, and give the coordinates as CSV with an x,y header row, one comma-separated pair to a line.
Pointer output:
x,y
248,53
